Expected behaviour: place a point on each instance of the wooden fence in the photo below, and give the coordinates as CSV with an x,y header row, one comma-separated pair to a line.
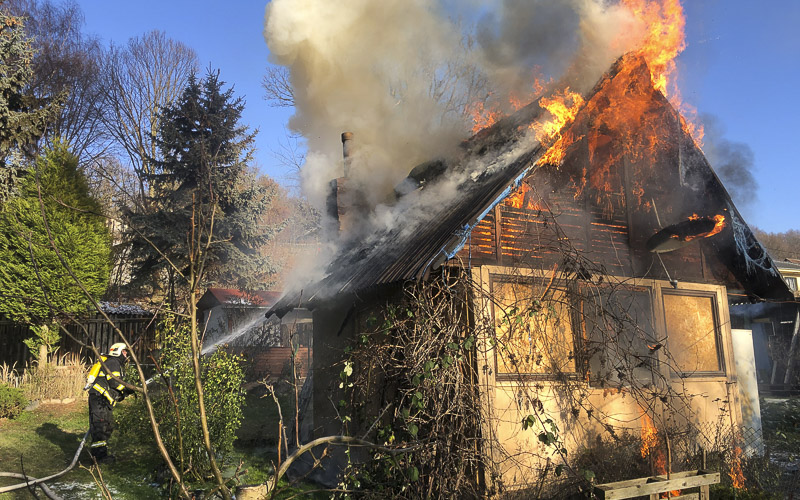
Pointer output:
x,y
139,330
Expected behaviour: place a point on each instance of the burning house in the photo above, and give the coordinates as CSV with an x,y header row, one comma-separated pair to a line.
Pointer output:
x,y
601,260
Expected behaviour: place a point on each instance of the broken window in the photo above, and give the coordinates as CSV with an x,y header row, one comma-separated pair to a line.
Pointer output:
x,y
619,335
533,329
692,333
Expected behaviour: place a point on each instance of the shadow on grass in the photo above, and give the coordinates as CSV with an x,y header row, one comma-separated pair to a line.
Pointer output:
x,y
67,441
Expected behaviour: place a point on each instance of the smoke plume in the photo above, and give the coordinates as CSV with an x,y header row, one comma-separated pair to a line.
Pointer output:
x,y
733,161
401,74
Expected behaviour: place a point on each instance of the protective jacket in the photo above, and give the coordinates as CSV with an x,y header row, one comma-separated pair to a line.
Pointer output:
x,y
100,382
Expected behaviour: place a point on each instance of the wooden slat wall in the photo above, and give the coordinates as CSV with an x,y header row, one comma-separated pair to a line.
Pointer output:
x,y
529,237
139,330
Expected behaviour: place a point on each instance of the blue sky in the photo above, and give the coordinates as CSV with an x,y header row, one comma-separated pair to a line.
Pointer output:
x,y
741,65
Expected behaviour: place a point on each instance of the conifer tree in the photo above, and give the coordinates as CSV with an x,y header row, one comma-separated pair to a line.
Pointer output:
x,y
23,118
202,185
52,234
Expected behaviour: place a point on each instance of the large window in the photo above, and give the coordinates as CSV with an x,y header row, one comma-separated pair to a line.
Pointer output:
x,y
533,329
619,332
692,333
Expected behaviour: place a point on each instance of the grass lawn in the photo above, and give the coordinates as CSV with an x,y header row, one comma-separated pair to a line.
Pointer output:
x,y
43,441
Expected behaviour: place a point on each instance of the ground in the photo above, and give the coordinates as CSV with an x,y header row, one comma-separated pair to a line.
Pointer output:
x,y
43,441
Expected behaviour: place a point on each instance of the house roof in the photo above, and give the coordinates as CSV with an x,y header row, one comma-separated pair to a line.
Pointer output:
x,y
230,297
431,223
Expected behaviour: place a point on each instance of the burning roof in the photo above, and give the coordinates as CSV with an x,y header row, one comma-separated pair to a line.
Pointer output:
x,y
623,119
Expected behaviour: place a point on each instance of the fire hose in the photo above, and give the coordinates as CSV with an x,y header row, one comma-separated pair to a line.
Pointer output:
x,y
31,481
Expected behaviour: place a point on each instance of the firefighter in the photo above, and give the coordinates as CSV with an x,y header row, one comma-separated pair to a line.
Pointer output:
x,y
104,394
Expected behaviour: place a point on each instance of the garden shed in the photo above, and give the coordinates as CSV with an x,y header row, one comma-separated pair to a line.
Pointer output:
x,y
597,267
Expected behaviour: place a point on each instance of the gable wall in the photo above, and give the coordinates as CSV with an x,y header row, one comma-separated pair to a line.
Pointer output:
x,y
583,409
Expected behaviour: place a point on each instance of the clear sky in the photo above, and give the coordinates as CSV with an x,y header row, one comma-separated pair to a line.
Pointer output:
x,y
741,65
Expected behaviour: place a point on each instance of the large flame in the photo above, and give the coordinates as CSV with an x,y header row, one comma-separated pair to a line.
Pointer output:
x,y
664,40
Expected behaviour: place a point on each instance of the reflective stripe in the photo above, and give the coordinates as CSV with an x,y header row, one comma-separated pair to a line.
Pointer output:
x,y
98,444
102,390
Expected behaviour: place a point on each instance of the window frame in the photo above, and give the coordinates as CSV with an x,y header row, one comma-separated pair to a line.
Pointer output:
x,y
635,286
719,341
574,325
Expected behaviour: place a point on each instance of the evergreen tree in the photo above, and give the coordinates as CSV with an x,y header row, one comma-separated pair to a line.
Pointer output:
x,y
206,203
23,118
54,217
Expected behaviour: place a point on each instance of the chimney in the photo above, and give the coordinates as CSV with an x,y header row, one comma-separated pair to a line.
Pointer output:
x,y
343,201
347,144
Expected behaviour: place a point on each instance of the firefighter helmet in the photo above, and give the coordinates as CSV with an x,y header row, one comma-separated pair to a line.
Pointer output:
x,y
116,349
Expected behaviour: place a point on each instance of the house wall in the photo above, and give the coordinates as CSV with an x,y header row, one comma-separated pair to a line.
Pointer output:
x,y
705,402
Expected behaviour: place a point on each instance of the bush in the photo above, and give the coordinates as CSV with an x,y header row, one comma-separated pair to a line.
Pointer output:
x,y
12,401
222,377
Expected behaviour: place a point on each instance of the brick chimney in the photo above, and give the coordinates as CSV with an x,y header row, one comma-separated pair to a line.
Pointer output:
x,y
344,201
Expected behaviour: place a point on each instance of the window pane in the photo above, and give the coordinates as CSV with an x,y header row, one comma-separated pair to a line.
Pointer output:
x,y
692,333
792,283
532,336
620,339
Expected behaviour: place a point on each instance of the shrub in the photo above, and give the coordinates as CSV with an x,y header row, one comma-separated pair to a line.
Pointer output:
x,y
222,377
12,401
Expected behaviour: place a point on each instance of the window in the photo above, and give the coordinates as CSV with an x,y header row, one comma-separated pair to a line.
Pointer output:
x,y
619,335
533,329
692,333
792,283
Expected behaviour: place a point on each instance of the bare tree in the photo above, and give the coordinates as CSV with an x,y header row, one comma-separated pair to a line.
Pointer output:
x,y
66,63
277,85
143,77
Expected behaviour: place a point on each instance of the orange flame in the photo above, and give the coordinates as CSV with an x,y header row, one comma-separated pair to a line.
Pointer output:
x,y
483,117
651,449
736,474
664,40
522,198
649,437
719,225
561,111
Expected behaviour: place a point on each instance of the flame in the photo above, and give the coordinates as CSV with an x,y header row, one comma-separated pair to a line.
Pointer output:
x,y
518,199
719,225
651,449
663,41
562,112
563,106
649,438
483,117
736,474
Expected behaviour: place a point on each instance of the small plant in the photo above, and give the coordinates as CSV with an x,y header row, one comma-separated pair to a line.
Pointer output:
x,y
9,375
12,401
44,341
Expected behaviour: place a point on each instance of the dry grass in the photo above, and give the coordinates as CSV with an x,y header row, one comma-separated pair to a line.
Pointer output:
x,y
63,377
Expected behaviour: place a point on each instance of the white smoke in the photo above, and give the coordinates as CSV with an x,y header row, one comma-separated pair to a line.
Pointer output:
x,y
399,74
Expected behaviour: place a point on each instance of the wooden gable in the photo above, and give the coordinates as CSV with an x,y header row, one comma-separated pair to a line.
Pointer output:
x,y
629,168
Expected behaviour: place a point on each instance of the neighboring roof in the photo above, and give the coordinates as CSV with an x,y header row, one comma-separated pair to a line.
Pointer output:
x,y
122,309
432,225
227,297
